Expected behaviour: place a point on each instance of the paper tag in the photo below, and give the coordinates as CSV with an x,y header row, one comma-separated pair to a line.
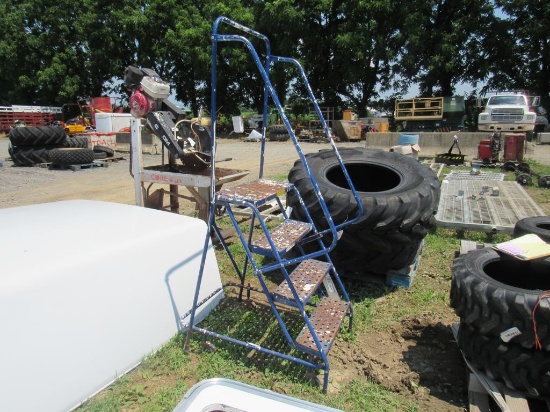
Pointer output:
x,y
509,334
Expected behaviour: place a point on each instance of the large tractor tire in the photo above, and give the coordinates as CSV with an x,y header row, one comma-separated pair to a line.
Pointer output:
x,y
72,156
538,225
519,368
76,142
30,155
499,295
397,192
399,197
278,133
37,136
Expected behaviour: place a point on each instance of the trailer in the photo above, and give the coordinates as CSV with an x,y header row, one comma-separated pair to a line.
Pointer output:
x,y
13,115
430,114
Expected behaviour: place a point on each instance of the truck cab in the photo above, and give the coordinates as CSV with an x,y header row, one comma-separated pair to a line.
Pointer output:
x,y
508,111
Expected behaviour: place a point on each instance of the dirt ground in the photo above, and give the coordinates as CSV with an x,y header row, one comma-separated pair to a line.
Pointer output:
x,y
417,357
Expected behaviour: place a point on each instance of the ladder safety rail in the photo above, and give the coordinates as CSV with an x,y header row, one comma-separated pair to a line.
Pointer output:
x,y
331,140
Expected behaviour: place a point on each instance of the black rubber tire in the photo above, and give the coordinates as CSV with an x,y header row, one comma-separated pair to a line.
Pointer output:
x,y
76,141
100,155
278,133
71,156
397,192
544,181
524,179
495,293
104,149
524,167
509,166
399,196
365,252
519,368
30,155
37,136
539,225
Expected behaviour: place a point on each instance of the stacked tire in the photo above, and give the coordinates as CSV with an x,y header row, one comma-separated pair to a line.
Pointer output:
x,y
35,144
504,311
103,152
278,133
399,197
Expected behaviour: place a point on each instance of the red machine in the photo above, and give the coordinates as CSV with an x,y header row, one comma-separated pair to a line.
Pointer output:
x,y
514,147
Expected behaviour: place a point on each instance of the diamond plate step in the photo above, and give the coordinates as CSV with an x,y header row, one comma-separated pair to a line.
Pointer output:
x,y
284,237
326,320
256,192
306,279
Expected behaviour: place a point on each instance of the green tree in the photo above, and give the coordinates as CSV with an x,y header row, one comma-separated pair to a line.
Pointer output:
x,y
445,44
526,63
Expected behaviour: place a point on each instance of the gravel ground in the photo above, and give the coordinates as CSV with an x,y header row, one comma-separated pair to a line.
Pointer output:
x,y
29,185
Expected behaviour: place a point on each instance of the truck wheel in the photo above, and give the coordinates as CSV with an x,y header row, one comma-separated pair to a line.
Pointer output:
x,y
76,141
31,155
539,225
71,156
519,368
37,135
497,294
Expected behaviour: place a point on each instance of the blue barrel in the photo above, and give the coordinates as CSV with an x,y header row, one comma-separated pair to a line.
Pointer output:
x,y
407,138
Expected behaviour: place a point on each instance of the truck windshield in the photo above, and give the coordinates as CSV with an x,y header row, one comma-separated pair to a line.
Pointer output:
x,y
502,100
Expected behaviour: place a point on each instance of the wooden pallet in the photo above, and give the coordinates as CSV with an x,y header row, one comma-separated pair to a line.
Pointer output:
x,y
110,159
75,168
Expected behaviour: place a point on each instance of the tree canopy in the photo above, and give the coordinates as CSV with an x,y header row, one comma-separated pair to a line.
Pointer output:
x,y
352,50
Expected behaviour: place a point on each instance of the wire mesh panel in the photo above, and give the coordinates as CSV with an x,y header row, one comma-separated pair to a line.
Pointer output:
x,y
484,205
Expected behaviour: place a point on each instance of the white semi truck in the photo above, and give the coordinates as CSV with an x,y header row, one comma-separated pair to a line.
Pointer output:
x,y
508,111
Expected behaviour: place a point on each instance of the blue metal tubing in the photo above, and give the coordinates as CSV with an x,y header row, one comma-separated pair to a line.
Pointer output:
x,y
277,59
254,33
259,348
287,125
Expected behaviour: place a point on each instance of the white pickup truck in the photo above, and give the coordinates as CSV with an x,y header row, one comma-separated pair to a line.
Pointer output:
x,y
508,111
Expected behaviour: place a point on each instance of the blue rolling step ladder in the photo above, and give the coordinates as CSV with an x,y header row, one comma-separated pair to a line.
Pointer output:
x,y
305,275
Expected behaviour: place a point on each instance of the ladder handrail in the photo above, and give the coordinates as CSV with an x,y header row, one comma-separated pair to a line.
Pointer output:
x,y
276,59
248,30
273,94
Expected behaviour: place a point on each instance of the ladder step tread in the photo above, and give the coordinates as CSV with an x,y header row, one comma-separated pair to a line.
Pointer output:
x,y
306,279
326,320
254,191
284,237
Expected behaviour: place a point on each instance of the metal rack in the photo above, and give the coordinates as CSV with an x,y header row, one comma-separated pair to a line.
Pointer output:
x,y
197,183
